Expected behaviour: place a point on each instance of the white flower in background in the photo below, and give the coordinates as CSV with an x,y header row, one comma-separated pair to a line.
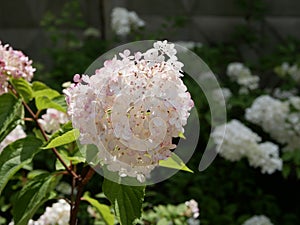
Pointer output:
x,y
284,94
258,220
123,21
14,64
219,94
30,222
267,157
236,141
270,114
295,102
241,74
285,69
193,208
58,213
278,119
131,109
52,120
14,135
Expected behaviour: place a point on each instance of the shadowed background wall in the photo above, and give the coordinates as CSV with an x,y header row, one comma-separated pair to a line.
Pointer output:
x,y
209,20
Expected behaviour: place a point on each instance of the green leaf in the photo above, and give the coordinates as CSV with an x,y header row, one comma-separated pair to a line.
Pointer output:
x,y
174,162
65,138
163,221
11,113
61,100
44,102
126,200
37,86
23,88
50,93
15,156
103,209
64,155
32,196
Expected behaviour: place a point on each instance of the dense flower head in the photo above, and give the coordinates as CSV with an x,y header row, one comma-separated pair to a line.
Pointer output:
x,y
258,220
14,135
52,120
241,74
236,141
132,107
14,64
123,21
281,119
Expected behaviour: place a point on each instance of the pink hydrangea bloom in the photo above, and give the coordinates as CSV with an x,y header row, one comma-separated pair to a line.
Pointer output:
x,y
15,64
132,108
52,120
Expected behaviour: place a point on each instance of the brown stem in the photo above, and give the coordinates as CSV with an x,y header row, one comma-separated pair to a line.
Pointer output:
x,y
54,150
80,188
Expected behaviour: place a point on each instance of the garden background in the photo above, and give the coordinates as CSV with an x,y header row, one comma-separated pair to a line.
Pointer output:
x,y
64,37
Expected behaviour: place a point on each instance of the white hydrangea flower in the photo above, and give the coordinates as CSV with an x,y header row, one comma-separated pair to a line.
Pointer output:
x,y
58,213
258,220
270,114
131,109
122,21
241,74
277,119
236,141
30,222
193,207
267,157
14,135
52,120
14,64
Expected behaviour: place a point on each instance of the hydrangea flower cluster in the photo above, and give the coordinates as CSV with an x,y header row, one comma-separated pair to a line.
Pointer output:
x,y
14,64
258,220
58,213
122,21
241,74
52,120
285,69
236,141
281,119
193,208
132,108
14,135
